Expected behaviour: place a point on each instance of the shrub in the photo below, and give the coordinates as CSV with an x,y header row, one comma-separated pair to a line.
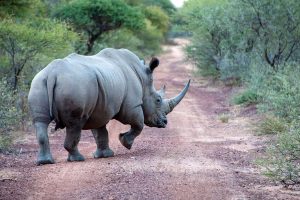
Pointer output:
x,y
10,116
247,97
282,162
272,125
27,42
159,19
257,42
280,92
224,117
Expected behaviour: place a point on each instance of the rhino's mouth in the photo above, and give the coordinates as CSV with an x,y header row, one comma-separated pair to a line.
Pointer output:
x,y
162,123
158,121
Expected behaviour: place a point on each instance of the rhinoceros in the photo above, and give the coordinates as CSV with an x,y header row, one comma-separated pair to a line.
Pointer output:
x,y
85,92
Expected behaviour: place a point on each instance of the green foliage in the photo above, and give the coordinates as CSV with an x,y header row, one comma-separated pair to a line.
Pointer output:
x,y
232,35
280,92
272,125
224,117
10,116
257,42
119,39
95,17
18,8
158,18
22,43
166,5
152,39
247,97
144,43
283,157
205,21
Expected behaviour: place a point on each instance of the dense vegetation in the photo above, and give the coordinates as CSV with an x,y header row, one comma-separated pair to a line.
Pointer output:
x,y
34,32
255,43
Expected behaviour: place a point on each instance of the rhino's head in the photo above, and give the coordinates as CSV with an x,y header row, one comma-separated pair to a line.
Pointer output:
x,y
155,107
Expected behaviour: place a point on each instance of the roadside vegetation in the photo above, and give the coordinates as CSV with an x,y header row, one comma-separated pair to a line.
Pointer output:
x,y
255,43
34,32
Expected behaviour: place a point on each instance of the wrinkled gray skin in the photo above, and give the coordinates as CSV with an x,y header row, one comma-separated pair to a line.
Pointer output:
x,y
86,92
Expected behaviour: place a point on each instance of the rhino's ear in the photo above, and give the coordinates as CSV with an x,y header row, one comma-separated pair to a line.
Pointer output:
x,y
153,63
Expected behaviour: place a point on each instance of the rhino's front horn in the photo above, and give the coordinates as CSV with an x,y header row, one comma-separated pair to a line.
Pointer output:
x,y
172,103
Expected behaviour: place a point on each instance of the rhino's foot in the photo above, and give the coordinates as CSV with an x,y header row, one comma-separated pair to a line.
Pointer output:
x,y
126,140
75,157
103,153
43,160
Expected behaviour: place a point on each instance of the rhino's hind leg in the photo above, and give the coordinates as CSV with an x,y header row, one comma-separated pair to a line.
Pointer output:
x,y
44,155
101,138
71,142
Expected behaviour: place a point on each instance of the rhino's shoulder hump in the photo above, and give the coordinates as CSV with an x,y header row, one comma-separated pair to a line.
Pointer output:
x,y
109,53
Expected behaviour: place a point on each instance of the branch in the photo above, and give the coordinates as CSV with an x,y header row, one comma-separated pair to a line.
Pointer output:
x,y
291,51
268,59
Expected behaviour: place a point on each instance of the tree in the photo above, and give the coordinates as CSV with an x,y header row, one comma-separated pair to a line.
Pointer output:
x,y
22,43
158,18
18,8
166,5
95,17
272,28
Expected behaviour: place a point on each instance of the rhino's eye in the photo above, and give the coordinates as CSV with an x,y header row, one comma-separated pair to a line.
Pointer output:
x,y
158,100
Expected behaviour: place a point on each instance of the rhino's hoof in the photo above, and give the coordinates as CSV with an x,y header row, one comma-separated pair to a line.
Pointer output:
x,y
75,157
43,160
125,141
103,153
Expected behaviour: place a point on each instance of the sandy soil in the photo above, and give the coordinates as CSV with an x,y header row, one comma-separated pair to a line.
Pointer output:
x,y
195,157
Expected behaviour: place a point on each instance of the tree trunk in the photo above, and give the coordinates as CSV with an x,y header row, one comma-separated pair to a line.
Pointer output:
x,y
91,41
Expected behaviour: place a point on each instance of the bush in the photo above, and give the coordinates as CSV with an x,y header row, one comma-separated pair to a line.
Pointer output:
x,y
282,162
246,98
257,42
230,36
30,41
272,125
10,116
122,38
280,92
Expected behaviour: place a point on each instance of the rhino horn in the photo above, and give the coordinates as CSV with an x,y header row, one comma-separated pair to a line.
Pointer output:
x,y
162,91
171,103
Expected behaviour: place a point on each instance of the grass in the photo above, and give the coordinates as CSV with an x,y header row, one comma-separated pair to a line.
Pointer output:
x,y
224,118
272,125
247,97
6,142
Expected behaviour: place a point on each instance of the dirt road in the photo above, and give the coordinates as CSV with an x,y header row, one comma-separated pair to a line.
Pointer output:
x,y
195,157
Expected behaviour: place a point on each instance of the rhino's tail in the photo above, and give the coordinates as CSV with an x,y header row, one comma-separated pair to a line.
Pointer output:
x,y
50,88
51,83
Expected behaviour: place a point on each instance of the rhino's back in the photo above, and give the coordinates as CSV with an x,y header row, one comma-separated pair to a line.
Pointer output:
x,y
90,89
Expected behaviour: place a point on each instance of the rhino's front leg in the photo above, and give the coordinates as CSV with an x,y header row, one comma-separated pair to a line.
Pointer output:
x,y
101,138
137,124
44,155
71,142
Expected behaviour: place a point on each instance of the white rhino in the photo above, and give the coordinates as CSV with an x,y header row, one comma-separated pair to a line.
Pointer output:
x,y
86,92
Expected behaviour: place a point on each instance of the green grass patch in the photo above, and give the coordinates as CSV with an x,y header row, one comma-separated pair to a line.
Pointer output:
x,y
246,98
224,117
6,142
281,162
272,125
